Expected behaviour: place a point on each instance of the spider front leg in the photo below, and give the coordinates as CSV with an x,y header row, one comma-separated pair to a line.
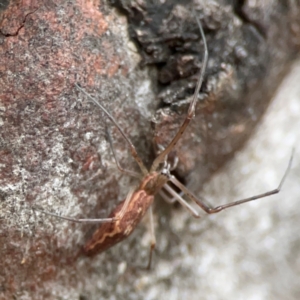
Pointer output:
x,y
192,107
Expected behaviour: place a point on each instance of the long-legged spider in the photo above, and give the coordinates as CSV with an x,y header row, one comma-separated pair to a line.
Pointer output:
x,y
127,214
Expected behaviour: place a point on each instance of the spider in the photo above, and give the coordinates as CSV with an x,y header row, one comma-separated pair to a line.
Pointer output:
x,y
126,215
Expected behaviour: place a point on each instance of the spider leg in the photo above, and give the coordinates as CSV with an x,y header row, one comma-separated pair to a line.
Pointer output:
x,y
191,111
167,198
153,239
121,169
212,210
131,146
97,220
186,205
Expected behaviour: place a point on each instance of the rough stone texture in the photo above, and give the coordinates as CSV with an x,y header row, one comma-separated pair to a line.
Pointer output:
x,y
54,155
251,44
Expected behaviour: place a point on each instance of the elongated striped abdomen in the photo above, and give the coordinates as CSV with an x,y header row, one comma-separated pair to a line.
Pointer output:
x,y
109,234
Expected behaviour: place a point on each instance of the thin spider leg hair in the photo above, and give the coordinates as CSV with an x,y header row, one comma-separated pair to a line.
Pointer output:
x,y
131,146
191,111
213,210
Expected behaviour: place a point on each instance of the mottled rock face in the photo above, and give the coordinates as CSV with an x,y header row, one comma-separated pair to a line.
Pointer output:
x,y
250,49
54,153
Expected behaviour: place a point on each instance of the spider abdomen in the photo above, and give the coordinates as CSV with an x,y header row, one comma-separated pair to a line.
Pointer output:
x,y
111,233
